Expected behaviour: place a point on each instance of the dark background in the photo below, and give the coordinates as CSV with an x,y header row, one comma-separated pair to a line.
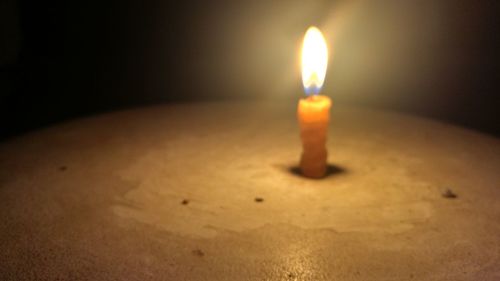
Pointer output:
x,y
65,59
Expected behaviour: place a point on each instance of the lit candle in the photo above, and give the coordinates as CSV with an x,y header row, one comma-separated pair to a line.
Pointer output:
x,y
314,111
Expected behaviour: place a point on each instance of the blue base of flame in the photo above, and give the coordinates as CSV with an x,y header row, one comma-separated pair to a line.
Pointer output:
x,y
312,91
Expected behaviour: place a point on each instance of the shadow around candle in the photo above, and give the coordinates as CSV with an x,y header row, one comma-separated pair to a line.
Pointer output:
x,y
331,170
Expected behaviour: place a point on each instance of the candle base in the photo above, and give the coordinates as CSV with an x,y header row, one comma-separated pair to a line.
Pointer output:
x,y
313,165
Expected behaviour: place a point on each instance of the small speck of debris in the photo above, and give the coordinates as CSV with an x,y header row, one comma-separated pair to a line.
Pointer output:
x,y
63,168
185,202
259,199
198,253
449,194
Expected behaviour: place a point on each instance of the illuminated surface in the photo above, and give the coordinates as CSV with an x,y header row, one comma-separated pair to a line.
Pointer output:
x,y
102,198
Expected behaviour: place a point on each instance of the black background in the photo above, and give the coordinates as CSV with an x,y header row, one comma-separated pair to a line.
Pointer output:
x,y
65,59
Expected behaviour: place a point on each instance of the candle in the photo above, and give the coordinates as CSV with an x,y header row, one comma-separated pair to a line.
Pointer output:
x,y
314,111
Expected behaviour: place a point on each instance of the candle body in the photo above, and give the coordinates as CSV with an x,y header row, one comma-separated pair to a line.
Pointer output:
x,y
314,115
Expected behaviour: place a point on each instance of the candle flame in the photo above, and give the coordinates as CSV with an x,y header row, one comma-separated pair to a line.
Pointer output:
x,y
314,61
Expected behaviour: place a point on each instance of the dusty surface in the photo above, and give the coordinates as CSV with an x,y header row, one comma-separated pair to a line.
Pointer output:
x,y
208,192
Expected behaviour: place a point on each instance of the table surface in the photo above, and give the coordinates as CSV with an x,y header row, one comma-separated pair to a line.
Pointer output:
x,y
210,191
